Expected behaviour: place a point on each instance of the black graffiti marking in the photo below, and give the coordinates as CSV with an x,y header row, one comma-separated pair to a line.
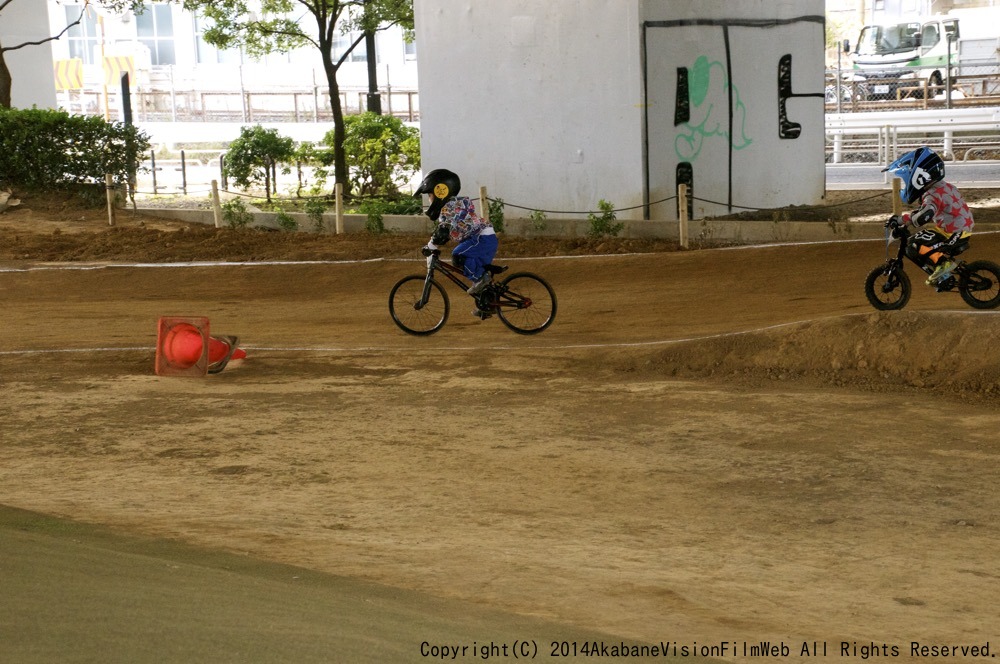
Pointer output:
x,y
685,175
682,107
787,128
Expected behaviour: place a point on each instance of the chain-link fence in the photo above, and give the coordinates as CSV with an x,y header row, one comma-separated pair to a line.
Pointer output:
x,y
909,88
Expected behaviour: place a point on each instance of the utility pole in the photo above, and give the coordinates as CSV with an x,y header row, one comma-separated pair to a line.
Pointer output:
x,y
374,97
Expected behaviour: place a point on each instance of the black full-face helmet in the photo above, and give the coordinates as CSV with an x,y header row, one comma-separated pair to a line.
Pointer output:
x,y
442,185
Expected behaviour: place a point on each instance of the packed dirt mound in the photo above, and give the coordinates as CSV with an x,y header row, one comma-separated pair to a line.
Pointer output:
x,y
888,351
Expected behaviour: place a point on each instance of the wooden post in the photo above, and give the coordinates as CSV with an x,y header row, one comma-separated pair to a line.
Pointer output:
x,y
484,204
109,185
682,222
897,203
339,207
216,205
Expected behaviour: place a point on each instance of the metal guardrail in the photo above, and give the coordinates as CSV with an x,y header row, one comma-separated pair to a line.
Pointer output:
x,y
248,107
879,136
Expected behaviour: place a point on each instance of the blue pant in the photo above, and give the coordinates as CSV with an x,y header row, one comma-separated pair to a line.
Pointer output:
x,y
474,254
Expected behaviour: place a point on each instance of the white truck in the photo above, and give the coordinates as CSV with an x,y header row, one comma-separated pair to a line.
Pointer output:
x,y
907,54
913,55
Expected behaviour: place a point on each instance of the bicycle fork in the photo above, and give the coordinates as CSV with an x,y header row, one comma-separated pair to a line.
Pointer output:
x,y
426,294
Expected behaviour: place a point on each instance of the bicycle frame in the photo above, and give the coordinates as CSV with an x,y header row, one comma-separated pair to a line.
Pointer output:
x,y
493,297
903,236
419,303
453,274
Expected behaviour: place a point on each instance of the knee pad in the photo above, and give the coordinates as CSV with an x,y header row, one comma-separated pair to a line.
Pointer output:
x,y
458,261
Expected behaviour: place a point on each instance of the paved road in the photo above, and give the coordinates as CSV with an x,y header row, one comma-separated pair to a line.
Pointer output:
x,y
984,174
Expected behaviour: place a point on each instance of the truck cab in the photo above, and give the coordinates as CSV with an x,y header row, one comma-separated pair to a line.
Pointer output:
x,y
907,54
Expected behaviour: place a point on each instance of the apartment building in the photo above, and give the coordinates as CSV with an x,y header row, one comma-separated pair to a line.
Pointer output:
x,y
169,62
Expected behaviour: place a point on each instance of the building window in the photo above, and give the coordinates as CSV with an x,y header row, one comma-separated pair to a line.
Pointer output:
x,y
83,38
343,42
209,54
155,28
409,50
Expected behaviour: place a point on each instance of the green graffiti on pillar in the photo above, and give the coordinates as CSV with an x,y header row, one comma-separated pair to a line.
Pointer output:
x,y
708,90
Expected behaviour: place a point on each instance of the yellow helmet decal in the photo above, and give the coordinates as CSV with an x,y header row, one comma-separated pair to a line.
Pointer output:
x,y
441,190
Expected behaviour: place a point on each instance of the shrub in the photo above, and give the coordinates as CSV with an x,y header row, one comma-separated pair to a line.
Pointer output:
x,y
495,207
377,208
236,214
315,208
381,152
604,224
320,161
286,222
42,148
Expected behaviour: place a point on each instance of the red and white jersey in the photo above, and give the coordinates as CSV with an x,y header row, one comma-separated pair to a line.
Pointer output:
x,y
951,212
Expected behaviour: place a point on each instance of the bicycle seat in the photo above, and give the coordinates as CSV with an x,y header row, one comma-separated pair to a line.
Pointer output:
x,y
496,269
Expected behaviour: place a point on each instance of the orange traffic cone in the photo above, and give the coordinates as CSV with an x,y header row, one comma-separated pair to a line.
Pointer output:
x,y
184,348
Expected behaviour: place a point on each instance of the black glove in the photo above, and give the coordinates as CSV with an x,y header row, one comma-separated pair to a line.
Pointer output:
x,y
427,250
441,236
894,222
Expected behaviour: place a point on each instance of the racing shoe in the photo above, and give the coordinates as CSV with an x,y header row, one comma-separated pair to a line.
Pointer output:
x,y
941,273
480,314
478,286
946,284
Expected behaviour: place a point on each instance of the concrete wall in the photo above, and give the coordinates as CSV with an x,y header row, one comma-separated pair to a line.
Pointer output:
x,y
734,103
555,106
539,101
30,67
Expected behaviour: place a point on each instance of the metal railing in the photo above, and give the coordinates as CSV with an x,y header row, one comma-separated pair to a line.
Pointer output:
x,y
876,137
303,105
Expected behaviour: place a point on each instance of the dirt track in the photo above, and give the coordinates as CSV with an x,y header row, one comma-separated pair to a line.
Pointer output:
x,y
705,446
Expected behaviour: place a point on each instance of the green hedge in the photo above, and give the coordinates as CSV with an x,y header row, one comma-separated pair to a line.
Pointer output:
x,y
44,148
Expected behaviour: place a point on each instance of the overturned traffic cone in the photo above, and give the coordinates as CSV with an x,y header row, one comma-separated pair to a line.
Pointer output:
x,y
185,348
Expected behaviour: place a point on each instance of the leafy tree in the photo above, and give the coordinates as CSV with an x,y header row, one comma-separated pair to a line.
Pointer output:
x,y
6,81
252,157
382,151
265,26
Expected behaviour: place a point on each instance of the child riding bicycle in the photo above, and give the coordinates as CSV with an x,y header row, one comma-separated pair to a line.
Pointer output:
x,y
457,220
943,218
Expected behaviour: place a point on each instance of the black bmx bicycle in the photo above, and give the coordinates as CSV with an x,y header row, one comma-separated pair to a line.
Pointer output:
x,y
887,286
523,301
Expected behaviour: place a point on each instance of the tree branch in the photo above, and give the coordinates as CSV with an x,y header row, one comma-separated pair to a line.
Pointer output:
x,y
350,49
47,39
